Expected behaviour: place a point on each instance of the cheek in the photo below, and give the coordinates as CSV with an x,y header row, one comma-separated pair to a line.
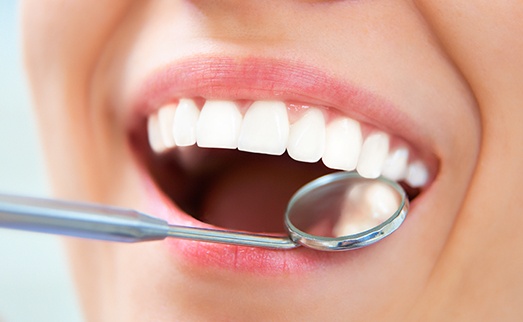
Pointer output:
x,y
65,37
62,43
484,39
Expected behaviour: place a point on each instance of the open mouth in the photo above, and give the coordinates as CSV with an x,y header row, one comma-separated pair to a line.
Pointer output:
x,y
234,164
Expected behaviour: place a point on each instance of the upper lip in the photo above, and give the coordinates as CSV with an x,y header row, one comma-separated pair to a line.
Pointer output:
x,y
251,78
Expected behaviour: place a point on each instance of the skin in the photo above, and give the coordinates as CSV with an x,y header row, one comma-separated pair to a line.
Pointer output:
x,y
454,67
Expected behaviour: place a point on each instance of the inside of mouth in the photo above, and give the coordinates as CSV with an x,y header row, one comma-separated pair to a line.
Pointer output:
x,y
231,189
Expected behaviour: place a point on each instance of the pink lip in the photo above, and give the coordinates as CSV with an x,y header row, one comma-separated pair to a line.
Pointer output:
x,y
255,78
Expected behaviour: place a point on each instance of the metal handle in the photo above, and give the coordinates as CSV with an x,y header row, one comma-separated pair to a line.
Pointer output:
x,y
113,223
79,219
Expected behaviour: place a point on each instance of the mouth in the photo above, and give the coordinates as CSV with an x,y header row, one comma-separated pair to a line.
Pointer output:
x,y
228,150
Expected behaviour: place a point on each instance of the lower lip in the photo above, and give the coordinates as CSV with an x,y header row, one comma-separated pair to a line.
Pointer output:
x,y
231,257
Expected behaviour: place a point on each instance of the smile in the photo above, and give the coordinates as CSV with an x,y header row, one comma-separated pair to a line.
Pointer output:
x,y
228,149
265,127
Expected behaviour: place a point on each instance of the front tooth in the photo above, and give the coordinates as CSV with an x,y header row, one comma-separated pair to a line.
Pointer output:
x,y
373,154
219,125
154,135
165,122
342,144
265,128
395,166
307,137
417,174
185,120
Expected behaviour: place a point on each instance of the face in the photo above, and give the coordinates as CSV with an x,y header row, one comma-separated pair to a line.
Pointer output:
x,y
145,104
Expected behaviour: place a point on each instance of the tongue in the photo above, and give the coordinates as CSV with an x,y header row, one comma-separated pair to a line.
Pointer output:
x,y
253,196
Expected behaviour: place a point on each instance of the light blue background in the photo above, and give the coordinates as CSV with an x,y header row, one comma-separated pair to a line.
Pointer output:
x,y
35,284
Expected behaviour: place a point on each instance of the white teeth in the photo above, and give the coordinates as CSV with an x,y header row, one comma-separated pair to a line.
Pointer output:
x,y
185,120
395,165
265,128
342,144
307,137
373,153
165,122
153,131
417,174
219,125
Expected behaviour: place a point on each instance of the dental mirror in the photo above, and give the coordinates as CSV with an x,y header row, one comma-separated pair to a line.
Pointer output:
x,y
343,211
336,212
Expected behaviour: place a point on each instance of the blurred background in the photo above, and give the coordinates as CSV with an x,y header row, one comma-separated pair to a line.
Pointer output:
x,y
35,284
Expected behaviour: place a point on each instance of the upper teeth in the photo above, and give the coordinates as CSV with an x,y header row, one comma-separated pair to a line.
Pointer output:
x,y
184,123
265,128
